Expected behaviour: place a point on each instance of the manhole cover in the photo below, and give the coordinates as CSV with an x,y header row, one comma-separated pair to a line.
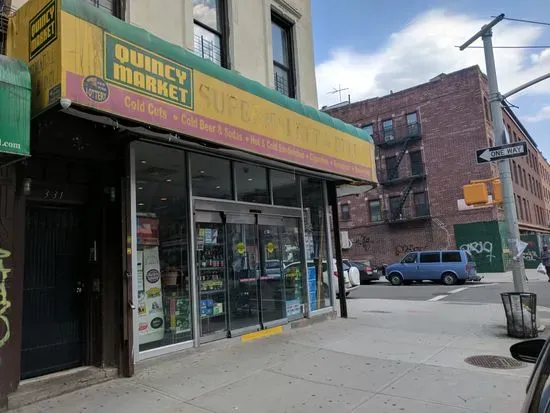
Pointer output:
x,y
494,362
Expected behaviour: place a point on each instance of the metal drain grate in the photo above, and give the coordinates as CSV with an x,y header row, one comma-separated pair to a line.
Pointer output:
x,y
494,362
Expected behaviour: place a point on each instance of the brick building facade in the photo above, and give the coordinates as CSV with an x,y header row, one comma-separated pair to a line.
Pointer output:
x,y
426,138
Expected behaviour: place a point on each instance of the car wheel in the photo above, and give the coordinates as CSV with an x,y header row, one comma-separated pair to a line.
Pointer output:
x,y
395,279
449,278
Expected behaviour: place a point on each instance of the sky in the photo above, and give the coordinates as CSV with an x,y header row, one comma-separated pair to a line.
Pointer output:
x,y
372,47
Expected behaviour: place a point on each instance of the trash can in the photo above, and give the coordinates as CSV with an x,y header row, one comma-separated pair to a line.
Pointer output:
x,y
521,314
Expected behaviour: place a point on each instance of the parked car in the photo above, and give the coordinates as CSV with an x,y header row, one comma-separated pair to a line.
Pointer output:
x,y
349,287
353,272
535,351
449,267
366,272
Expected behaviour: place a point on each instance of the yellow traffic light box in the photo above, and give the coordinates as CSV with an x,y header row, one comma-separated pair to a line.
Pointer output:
x,y
476,193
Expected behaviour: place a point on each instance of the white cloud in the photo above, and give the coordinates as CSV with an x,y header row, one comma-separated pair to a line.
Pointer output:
x,y
541,115
425,48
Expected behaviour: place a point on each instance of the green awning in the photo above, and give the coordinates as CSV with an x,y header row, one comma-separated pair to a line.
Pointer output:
x,y
15,115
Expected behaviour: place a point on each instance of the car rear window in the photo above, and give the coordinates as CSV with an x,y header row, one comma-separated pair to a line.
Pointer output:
x,y
427,257
451,256
273,264
469,256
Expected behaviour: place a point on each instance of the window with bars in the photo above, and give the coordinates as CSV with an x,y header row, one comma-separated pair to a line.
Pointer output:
x,y
114,7
283,72
5,12
209,29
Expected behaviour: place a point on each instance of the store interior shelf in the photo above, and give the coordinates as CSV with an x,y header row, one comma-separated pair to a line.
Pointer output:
x,y
211,268
206,292
205,316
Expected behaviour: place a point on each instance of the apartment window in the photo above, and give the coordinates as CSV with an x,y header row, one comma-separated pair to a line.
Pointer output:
x,y
375,211
514,171
417,167
110,6
344,208
412,124
421,204
519,207
282,56
395,207
530,183
525,178
369,129
392,169
526,209
4,13
209,28
387,127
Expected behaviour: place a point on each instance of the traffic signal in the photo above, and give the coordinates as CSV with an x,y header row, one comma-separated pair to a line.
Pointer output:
x,y
476,194
497,191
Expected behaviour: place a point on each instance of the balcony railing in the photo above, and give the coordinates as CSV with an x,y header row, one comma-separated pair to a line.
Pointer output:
x,y
408,213
5,13
396,135
389,177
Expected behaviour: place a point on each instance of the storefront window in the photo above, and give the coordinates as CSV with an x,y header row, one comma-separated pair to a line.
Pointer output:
x,y
164,300
211,176
251,182
285,188
319,273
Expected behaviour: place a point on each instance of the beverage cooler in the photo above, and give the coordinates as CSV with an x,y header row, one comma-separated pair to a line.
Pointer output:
x,y
164,310
211,274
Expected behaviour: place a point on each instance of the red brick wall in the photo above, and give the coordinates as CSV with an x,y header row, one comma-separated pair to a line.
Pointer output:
x,y
454,124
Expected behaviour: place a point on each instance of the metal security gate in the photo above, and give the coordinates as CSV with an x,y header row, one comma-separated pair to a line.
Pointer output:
x,y
53,302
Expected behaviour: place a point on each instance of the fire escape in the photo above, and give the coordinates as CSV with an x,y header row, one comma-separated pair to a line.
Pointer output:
x,y
400,138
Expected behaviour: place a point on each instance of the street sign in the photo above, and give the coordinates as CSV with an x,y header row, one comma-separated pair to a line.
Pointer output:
x,y
497,153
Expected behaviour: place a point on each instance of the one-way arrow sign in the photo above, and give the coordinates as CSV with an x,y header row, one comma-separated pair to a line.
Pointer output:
x,y
496,153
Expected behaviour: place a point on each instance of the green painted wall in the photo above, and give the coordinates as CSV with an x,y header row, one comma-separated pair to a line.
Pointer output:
x,y
486,244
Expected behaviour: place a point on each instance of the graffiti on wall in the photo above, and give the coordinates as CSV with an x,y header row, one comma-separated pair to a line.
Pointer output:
x,y
363,241
402,249
5,304
480,248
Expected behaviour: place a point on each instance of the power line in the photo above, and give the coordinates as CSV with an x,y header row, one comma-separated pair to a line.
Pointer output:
x,y
525,21
510,47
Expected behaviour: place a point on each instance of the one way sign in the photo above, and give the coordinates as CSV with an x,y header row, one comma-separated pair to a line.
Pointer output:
x,y
497,153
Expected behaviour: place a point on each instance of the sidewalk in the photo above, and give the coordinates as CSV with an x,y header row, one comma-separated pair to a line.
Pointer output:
x,y
388,357
506,277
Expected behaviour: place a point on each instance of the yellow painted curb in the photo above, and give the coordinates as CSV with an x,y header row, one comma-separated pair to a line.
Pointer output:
x,y
261,334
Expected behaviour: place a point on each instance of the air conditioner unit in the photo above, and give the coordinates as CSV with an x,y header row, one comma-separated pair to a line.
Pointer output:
x,y
388,137
345,241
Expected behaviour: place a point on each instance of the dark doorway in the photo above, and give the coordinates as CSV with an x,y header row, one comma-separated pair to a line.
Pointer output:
x,y
53,308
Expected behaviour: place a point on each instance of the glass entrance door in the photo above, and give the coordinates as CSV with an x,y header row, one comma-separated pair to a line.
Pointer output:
x,y
243,273
281,282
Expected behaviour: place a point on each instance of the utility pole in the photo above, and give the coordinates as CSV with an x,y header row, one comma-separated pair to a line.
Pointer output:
x,y
495,98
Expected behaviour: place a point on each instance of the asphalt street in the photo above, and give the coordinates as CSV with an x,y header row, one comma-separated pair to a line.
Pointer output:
x,y
469,293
